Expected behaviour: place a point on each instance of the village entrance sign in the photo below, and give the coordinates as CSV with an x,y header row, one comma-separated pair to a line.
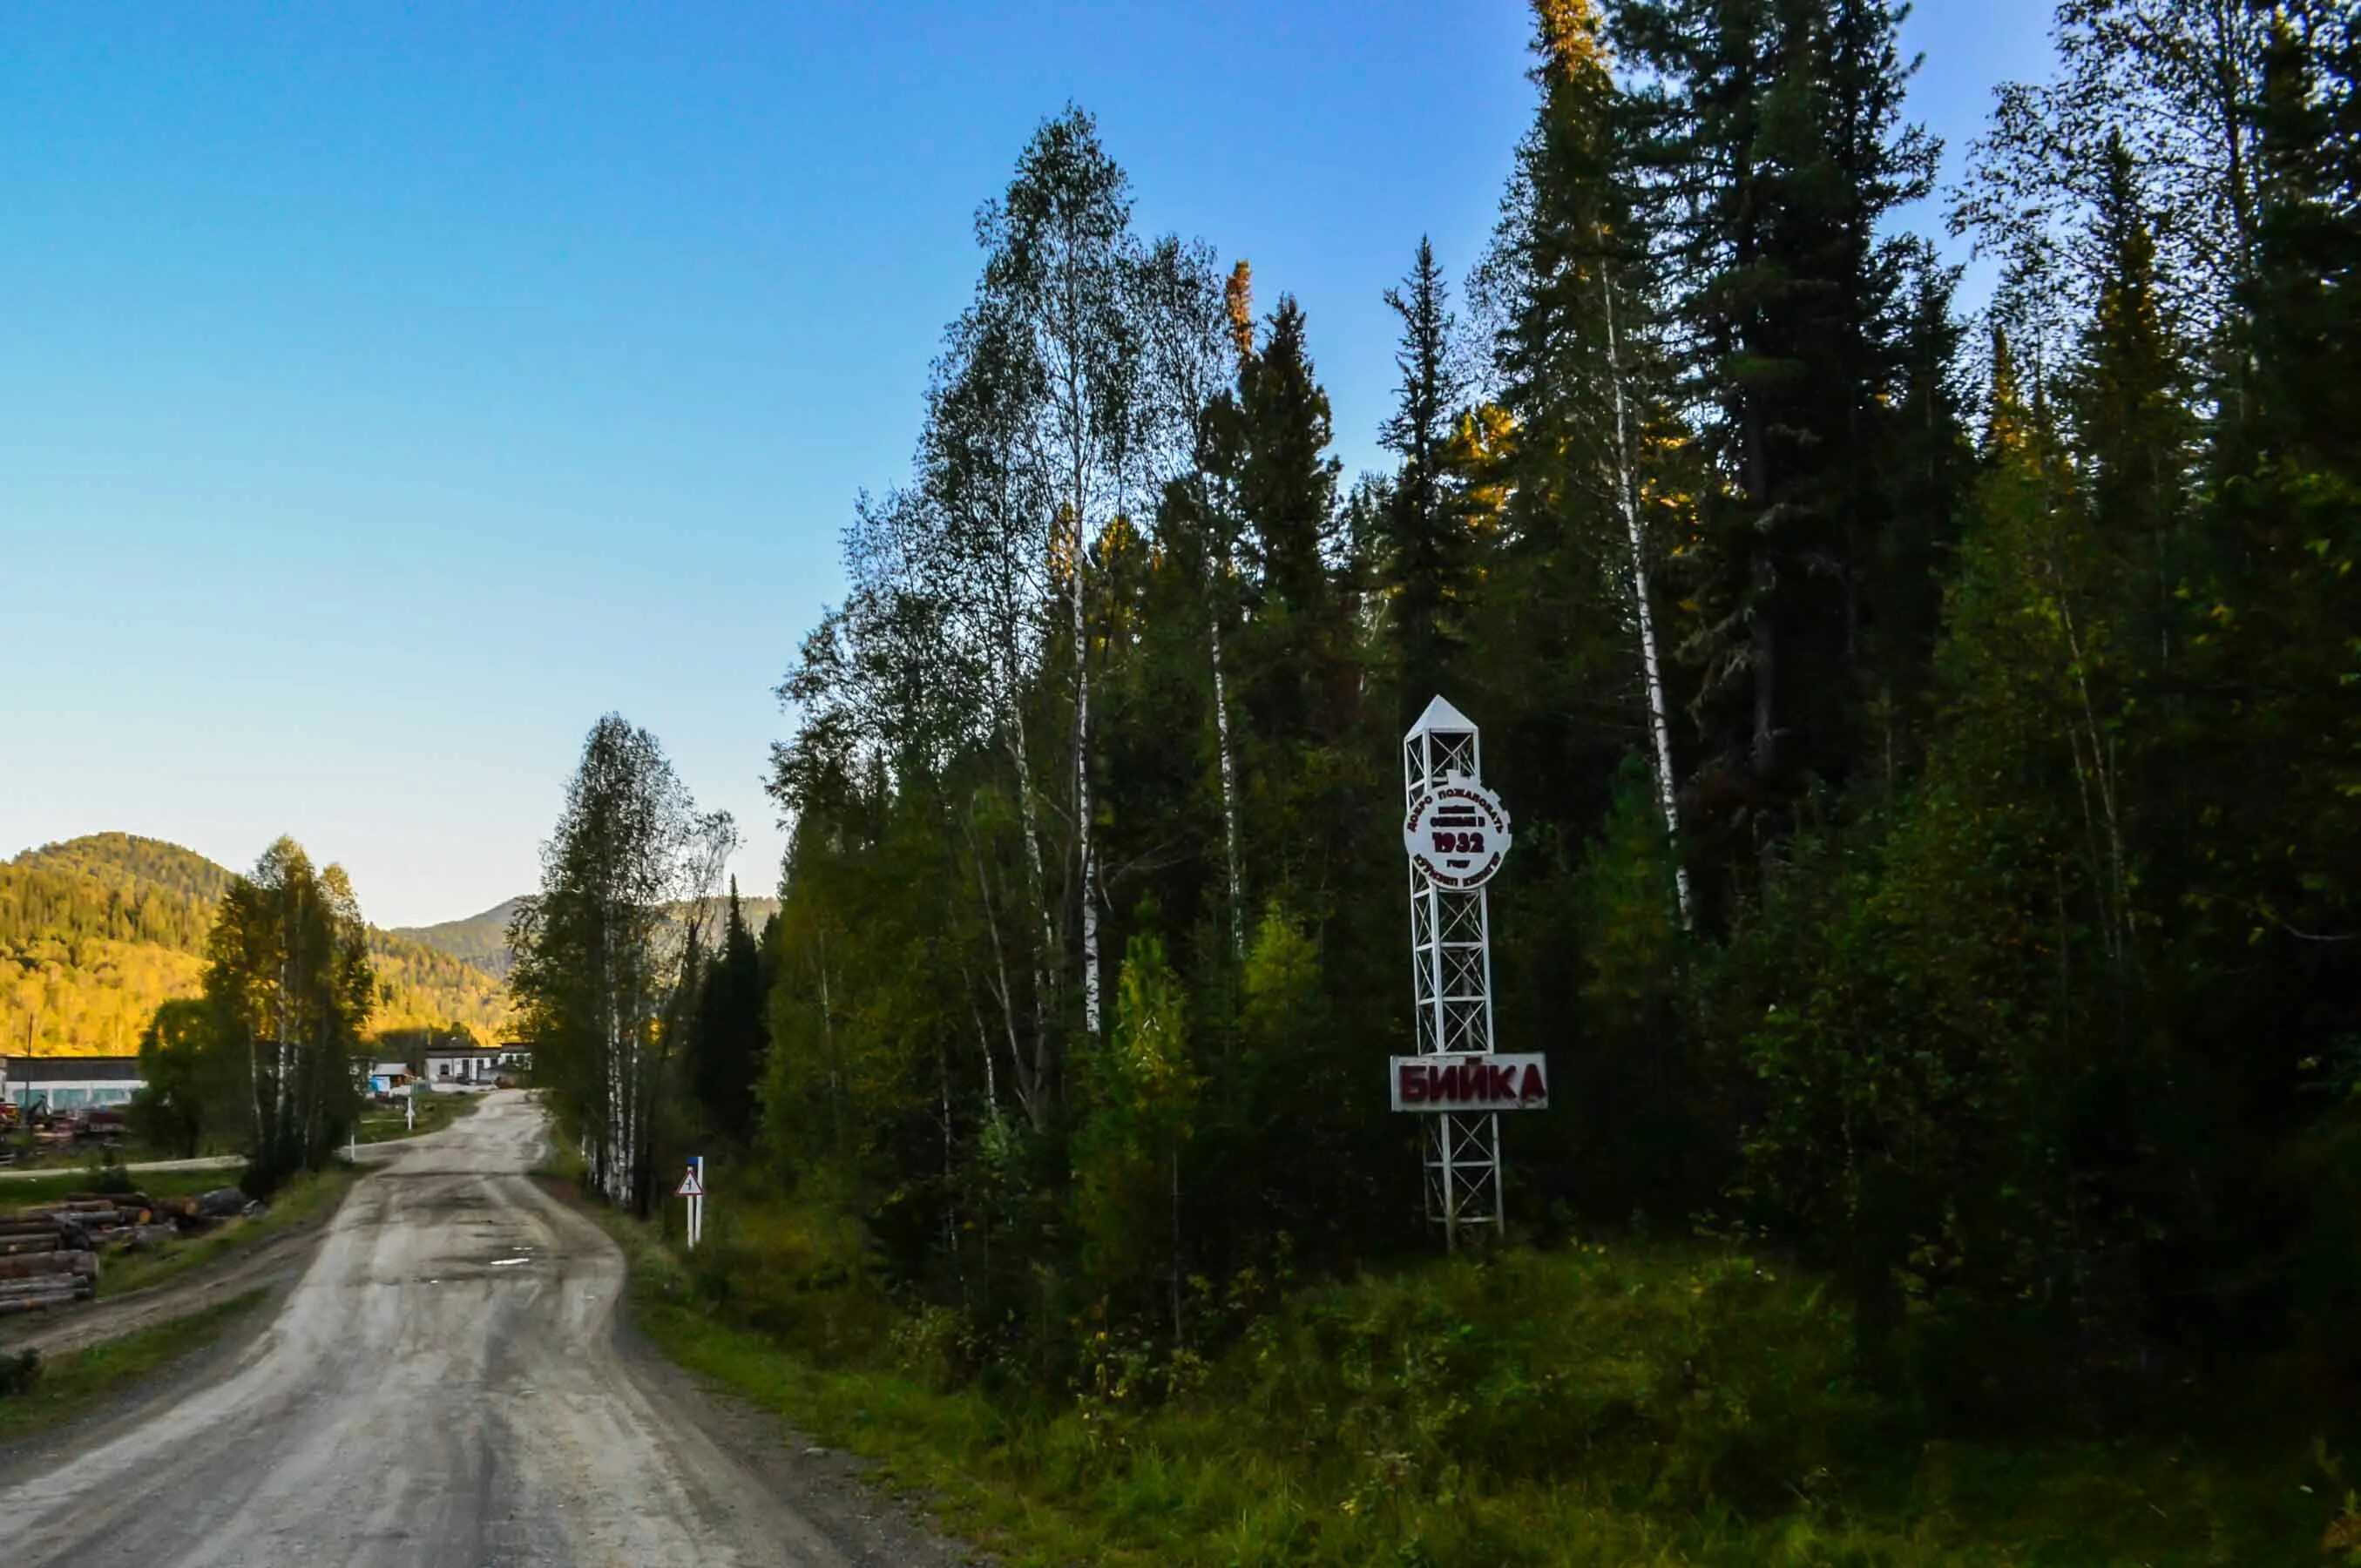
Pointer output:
x,y
1456,834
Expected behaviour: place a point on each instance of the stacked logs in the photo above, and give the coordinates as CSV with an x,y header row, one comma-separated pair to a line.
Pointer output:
x,y
45,1261
48,1253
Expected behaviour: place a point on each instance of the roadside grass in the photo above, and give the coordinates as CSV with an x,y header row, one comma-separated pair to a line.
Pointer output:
x,y
1654,1406
64,1389
435,1112
34,1192
33,1156
302,1200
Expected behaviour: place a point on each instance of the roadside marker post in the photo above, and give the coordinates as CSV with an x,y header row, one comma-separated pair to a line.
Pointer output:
x,y
692,1187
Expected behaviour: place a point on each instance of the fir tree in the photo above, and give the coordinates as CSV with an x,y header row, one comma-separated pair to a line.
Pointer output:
x,y
1425,565
1287,498
1772,149
2131,425
726,1050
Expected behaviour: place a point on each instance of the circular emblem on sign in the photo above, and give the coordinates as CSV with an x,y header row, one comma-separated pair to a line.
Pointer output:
x,y
1457,833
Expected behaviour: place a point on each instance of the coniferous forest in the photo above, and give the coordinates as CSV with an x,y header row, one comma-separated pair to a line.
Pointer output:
x,y
1934,736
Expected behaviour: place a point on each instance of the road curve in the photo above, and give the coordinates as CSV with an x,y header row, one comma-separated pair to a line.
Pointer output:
x,y
442,1386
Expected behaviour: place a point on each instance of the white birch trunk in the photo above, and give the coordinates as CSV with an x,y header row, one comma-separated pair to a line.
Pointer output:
x,y
253,1073
1082,797
612,1050
1007,1002
1028,816
1090,871
1229,779
279,1082
1660,729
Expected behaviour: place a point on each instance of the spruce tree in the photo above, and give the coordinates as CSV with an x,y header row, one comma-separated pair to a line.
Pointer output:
x,y
1287,482
1287,499
1425,566
2131,425
1570,622
1771,148
1929,469
726,1060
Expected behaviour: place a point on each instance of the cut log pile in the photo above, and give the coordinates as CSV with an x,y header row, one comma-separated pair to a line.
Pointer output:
x,y
50,1252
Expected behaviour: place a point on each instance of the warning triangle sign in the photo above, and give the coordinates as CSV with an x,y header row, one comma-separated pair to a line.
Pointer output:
x,y
690,1186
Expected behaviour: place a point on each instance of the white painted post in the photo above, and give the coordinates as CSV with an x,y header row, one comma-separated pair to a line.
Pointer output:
x,y
692,1187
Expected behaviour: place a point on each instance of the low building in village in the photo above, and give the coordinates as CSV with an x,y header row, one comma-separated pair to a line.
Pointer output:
x,y
475,1067
69,1083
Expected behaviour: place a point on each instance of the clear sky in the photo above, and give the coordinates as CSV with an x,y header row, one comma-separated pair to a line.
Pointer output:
x,y
387,390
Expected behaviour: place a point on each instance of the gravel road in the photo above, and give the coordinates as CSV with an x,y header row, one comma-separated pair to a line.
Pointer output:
x,y
446,1384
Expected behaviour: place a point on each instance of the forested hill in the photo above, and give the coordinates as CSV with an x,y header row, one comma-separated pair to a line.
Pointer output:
x,y
96,932
133,865
483,939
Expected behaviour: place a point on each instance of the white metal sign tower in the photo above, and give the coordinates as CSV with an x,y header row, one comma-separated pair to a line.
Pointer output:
x,y
1451,978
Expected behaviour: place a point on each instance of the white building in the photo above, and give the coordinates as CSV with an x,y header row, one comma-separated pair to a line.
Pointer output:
x,y
70,1083
470,1066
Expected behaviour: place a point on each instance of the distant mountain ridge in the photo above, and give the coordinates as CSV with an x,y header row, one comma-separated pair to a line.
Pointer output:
x,y
129,863
483,939
478,939
96,932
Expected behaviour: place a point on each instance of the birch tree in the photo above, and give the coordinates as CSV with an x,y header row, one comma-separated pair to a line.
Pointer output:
x,y
2172,81
1200,338
288,987
1061,270
602,947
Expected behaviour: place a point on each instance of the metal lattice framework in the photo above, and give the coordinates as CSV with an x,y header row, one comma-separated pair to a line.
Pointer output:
x,y
1451,984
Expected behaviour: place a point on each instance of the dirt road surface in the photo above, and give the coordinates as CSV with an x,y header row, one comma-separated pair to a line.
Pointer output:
x,y
446,1384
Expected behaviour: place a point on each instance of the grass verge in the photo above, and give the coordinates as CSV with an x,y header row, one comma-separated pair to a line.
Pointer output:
x,y
1660,1406
31,1157
69,1387
48,1189
435,1112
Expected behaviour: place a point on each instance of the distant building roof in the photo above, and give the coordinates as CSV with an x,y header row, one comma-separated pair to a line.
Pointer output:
x,y
454,1052
70,1070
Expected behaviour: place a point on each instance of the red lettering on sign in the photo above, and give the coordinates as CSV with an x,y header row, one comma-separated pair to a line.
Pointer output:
x,y
1464,1083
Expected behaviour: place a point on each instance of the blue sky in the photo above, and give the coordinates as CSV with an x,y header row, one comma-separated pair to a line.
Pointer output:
x,y
388,390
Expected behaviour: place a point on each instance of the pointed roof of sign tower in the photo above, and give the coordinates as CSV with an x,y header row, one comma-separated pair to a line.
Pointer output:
x,y
1442,718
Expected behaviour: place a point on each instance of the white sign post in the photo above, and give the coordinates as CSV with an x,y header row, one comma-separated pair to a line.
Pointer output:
x,y
692,1187
1455,833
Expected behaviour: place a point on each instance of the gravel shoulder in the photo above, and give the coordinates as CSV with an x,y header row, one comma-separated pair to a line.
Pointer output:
x,y
837,1492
